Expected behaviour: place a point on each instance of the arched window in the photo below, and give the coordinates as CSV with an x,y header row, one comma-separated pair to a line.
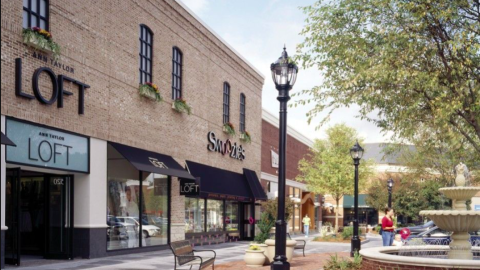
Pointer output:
x,y
35,14
226,102
242,112
177,59
146,54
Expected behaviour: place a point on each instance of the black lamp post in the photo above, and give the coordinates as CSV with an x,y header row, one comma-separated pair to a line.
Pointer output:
x,y
284,73
390,187
356,152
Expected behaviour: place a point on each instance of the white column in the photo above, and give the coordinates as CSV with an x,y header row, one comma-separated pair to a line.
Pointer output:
x,y
91,189
3,181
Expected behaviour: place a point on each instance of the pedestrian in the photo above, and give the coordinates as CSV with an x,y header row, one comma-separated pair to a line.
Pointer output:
x,y
398,241
387,227
306,225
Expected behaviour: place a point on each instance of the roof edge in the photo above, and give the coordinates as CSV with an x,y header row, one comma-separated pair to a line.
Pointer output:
x,y
272,119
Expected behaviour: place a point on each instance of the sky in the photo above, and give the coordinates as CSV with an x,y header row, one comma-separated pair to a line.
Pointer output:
x,y
258,30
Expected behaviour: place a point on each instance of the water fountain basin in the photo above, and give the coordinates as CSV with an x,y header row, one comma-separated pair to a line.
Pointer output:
x,y
454,220
460,193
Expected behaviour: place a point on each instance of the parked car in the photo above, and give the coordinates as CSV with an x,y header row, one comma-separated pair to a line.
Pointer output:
x,y
414,230
116,230
147,230
437,236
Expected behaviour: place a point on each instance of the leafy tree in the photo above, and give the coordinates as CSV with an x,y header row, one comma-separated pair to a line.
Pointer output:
x,y
265,225
328,168
270,207
414,63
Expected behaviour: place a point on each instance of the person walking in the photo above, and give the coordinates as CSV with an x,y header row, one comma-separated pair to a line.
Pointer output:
x,y
306,225
388,228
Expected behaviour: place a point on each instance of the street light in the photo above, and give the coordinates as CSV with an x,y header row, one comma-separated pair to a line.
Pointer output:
x,y
284,74
356,152
390,187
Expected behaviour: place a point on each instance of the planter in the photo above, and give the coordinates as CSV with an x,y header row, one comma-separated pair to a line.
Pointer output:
x,y
149,92
271,249
263,247
34,39
184,108
33,42
254,258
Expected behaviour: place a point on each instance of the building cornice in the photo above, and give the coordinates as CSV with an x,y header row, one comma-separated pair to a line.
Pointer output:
x,y
274,178
272,119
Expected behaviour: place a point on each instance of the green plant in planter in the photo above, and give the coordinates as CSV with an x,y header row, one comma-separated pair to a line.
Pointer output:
x,y
347,232
180,105
41,39
254,247
229,128
336,263
245,136
265,224
150,90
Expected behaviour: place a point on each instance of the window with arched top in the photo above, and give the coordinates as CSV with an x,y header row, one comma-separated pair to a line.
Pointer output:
x,y
35,14
177,60
226,102
242,112
146,54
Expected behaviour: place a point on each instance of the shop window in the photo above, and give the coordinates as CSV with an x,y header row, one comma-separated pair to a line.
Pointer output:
x,y
146,54
226,102
155,193
194,215
214,216
35,14
231,216
177,73
242,112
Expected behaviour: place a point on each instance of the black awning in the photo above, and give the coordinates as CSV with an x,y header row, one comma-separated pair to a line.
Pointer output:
x,y
255,186
148,161
7,141
216,183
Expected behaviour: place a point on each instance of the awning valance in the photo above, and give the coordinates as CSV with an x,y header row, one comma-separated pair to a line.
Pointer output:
x,y
348,201
217,183
7,141
148,161
255,186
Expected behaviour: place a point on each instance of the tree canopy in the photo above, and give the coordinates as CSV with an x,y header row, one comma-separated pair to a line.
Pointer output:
x,y
416,64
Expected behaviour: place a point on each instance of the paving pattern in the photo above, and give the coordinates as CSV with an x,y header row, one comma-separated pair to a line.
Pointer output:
x,y
163,260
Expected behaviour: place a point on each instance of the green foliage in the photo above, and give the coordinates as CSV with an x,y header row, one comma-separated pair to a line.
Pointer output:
x,y
42,42
254,247
270,207
246,137
414,64
328,167
180,105
265,224
347,232
145,89
336,263
229,128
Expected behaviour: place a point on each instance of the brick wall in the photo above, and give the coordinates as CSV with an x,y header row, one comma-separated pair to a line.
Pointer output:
x,y
100,40
373,265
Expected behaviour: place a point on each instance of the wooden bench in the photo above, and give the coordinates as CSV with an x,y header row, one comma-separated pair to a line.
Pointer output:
x,y
185,255
300,244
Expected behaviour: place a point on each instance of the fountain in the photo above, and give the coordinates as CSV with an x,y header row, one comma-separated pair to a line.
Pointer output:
x,y
459,221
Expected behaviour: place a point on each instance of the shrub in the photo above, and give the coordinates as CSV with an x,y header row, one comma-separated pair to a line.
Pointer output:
x,y
335,263
264,225
270,207
347,232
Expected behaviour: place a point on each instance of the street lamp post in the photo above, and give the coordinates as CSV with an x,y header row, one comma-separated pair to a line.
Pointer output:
x,y
390,187
284,74
356,152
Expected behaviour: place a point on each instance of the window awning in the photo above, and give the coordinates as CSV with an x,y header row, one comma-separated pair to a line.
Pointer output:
x,y
7,141
255,186
148,161
216,183
348,201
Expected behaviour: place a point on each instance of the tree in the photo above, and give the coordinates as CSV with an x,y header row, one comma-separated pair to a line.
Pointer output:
x,y
414,63
328,167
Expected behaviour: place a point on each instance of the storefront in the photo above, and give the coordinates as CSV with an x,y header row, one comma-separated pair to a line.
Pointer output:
x,y
226,207
366,214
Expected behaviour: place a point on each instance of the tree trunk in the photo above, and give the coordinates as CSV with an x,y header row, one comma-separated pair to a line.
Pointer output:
x,y
336,216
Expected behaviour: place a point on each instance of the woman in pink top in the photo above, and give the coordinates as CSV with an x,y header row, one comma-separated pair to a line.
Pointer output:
x,y
388,228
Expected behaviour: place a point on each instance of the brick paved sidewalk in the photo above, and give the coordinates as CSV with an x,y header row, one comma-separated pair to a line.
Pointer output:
x,y
310,262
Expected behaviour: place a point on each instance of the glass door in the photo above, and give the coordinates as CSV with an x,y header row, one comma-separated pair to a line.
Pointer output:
x,y
12,217
59,217
248,221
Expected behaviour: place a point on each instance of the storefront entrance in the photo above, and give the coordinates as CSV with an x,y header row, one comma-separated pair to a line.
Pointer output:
x,y
39,216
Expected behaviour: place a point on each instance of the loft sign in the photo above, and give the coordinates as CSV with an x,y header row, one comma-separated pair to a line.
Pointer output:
x,y
225,148
189,187
58,91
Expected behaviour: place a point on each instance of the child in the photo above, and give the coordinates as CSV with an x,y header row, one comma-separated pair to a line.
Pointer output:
x,y
397,241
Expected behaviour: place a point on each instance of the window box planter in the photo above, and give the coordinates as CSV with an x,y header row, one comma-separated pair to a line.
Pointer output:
x,y
41,39
245,136
229,128
180,105
150,91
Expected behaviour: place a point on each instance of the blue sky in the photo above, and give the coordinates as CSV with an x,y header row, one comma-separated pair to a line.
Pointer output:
x,y
257,30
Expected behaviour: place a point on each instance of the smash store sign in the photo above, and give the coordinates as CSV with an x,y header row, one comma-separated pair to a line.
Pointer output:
x,y
57,82
225,148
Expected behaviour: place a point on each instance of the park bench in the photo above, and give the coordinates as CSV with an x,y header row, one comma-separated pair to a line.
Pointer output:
x,y
300,244
185,255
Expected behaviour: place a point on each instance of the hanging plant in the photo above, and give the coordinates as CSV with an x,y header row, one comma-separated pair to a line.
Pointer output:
x,y
180,105
150,90
229,128
245,136
41,39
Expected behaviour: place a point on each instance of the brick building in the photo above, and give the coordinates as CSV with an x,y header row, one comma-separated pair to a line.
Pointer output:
x,y
97,166
298,146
